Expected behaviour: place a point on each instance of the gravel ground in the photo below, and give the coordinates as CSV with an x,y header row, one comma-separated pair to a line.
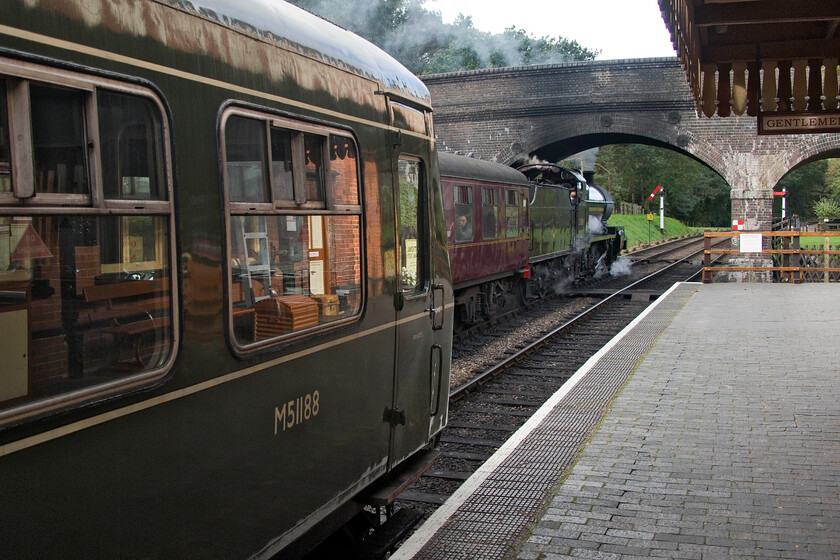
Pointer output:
x,y
465,367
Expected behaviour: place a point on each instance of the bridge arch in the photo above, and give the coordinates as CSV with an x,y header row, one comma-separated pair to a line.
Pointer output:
x,y
502,114
564,136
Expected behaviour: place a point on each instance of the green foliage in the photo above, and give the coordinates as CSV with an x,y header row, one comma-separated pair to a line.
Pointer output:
x,y
425,45
806,184
637,228
546,49
826,208
694,193
832,179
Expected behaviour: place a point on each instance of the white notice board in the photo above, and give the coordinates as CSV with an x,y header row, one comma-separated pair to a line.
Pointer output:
x,y
751,242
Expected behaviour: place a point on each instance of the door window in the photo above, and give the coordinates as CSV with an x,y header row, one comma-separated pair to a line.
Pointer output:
x,y
411,220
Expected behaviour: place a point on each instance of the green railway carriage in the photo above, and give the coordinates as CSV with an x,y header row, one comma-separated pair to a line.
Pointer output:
x,y
225,297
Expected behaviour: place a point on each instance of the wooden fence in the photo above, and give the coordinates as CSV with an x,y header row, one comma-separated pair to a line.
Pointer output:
x,y
789,261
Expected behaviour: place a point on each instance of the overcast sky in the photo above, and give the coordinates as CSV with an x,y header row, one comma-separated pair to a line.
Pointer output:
x,y
619,28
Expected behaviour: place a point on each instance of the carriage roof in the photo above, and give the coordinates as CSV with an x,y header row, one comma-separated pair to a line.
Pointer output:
x,y
277,21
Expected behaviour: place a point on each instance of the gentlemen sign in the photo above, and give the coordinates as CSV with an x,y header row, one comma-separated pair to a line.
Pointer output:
x,y
798,123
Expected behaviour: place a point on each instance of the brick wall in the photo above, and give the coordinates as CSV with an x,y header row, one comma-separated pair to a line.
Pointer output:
x,y
554,111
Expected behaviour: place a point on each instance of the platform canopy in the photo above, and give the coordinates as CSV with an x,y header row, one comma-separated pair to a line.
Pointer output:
x,y
758,56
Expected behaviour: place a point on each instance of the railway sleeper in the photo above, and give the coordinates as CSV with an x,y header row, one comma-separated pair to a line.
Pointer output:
x,y
489,427
449,475
466,456
501,391
478,442
485,410
424,498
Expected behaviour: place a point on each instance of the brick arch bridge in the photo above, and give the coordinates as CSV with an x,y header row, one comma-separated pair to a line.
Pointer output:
x,y
554,111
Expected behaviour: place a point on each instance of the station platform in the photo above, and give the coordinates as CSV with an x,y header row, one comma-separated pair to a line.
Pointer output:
x,y
709,427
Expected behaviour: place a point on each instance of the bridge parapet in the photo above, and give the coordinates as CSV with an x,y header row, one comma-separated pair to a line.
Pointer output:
x,y
553,111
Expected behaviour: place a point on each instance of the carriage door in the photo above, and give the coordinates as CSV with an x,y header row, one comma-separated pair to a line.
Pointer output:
x,y
410,417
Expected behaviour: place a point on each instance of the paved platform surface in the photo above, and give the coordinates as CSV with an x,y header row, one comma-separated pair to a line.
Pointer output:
x,y
709,428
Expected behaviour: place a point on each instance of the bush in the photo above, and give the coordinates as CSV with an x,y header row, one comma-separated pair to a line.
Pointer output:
x,y
826,208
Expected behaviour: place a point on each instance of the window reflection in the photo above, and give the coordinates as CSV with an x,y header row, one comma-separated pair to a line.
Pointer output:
x,y
410,214
310,266
489,214
246,165
129,136
58,139
295,261
5,152
511,214
88,324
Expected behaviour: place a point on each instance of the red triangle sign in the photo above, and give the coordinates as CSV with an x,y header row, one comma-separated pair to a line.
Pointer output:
x,y
30,246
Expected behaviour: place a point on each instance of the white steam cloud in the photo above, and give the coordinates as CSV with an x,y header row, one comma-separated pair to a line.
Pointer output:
x,y
621,267
596,226
418,32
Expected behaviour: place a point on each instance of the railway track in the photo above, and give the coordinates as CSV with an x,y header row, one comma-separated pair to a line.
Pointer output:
x,y
487,409
664,251
637,264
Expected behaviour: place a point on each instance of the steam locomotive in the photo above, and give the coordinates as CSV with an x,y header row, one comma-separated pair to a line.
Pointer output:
x,y
520,234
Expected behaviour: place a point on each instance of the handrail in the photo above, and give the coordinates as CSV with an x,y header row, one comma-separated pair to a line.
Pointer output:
x,y
754,243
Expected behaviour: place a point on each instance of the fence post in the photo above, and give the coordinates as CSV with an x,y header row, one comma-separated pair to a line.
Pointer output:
x,y
798,258
786,259
827,248
707,258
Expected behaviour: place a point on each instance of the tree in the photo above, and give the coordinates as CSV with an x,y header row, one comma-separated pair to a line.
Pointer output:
x,y
805,185
694,193
424,44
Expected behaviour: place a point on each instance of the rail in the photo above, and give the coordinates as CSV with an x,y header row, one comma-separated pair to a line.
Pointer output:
x,y
512,359
790,262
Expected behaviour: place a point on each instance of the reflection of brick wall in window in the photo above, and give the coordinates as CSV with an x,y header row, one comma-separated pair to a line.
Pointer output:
x,y
88,267
345,190
46,312
346,251
48,358
373,231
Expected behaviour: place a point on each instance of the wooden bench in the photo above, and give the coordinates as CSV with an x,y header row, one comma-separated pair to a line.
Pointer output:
x,y
131,309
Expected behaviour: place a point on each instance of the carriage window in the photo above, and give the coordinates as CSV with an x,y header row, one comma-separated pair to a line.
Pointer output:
x,y
58,140
343,171
489,214
296,261
281,165
133,245
314,146
411,220
511,213
5,151
463,214
245,151
129,133
86,296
